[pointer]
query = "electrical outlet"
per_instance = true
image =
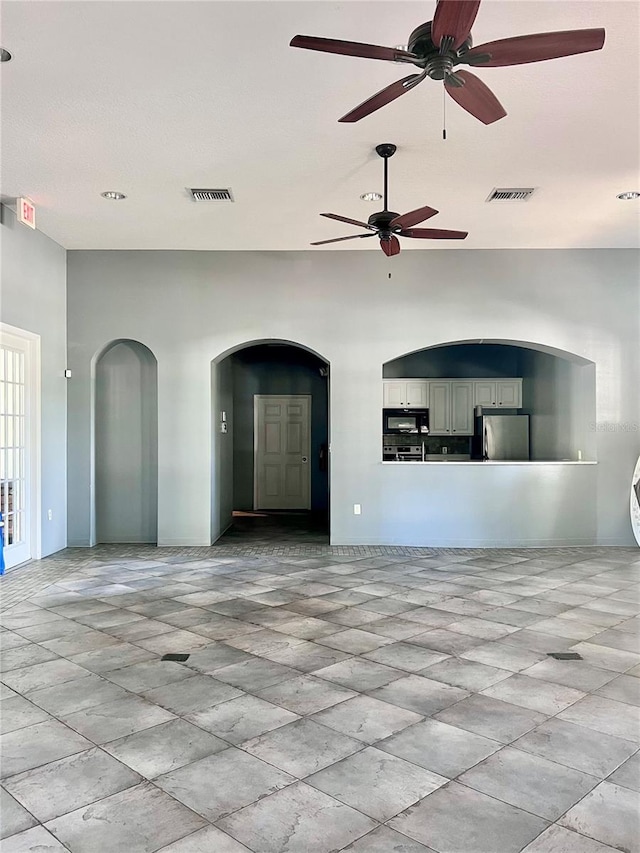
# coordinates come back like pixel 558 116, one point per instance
pixel 50 514
pixel 357 509
pixel 445 450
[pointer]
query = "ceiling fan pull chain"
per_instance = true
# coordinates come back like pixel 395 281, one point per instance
pixel 444 112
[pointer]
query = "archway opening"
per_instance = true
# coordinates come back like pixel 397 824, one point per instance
pixel 270 425
pixel 126 444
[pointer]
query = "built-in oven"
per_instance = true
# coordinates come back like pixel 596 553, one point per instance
pixel 405 421
pixel 403 453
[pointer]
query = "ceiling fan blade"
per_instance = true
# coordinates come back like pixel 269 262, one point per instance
pixel 384 96
pixel 474 97
pixel 413 217
pixel 453 18
pixel 433 234
pixel 390 245
pixel 535 48
pixel 339 239
pixel 349 221
pixel 352 48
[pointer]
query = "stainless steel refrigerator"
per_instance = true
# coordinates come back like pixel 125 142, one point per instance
pixel 503 437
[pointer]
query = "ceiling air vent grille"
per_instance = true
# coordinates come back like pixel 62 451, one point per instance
pixel 511 194
pixel 211 195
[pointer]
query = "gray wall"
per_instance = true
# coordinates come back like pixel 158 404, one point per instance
pixel 276 370
pixel 126 442
pixel 222 468
pixel 33 298
pixel 190 308
pixel 462 361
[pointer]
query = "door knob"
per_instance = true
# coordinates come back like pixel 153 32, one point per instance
pixel 304 458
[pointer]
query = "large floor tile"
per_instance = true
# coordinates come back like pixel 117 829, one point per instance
pixel 164 748
pixel 385 840
pixel 302 747
pixel 504 655
pixel 306 694
pixel 103 723
pixel 26 655
pixel 366 718
pixel 297 819
pixel 223 783
pixel 491 718
pixel 608 814
pixel 557 839
pixel 36 840
pixel 15 818
pixel 148 674
pixel 241 719
pixel 254 674
pixel 191 694
pixel 628 774
pixel 543 696
pixel 113 657
pixel 625 688
pixel 76 695
pixel 376 783
pixel 17 713
pixel 69 783
pixel 529 782
pixel 406 656
pixel 208 840
pixel 33 746
pixel 137 820
pixel 574 746
pixel 42 675
pixel 446 750
pixel 419 694
pixel 605 715
pixel 465 674
pixel 577 674
pixel 359 674
pixel 456 819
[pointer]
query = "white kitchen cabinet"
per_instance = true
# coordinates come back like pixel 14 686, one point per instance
pixel 498 393
pixel 451 407
pixel 405 393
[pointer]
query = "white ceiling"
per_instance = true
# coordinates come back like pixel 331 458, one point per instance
pixel 152 97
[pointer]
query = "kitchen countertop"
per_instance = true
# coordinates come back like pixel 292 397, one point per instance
pixel 493 462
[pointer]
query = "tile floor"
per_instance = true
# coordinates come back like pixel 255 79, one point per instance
pixel 372 700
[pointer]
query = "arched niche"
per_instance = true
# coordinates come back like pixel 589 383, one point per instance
pixel 558 387
pixel 263 367
pixel 126 444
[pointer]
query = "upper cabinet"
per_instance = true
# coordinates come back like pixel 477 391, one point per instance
pixel 405 394
pixel 498 393
pixel 451 407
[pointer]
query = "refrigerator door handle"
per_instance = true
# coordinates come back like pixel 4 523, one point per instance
pixel 485 448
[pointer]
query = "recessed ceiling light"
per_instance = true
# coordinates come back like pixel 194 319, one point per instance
pixel 114 196
pixel 370 196
pixel 628 195
pixel 5 56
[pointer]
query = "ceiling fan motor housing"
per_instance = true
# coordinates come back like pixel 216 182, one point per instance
pixel 382 221
pixel 437 64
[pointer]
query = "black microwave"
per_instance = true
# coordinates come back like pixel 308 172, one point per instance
pixel 402 421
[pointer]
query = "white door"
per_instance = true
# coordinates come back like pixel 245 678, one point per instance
pixel 282 446
pixel 18 357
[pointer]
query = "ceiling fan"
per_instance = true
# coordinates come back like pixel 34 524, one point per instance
pixel 437 46
pixel 386 224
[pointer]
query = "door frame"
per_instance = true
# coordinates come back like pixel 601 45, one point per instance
pixel 31 343
pixel 256 401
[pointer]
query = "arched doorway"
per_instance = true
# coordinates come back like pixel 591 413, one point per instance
pixel 271 438
pixel 126 444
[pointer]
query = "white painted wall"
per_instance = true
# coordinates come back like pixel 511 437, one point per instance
pixel 33 297
pixel 190 307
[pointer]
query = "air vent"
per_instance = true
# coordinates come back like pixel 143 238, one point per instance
pixel 511 194
pixel 211 195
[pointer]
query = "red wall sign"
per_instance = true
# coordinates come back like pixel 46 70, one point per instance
pixel 26 212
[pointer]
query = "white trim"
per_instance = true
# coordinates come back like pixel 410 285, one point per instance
pixel 33 376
